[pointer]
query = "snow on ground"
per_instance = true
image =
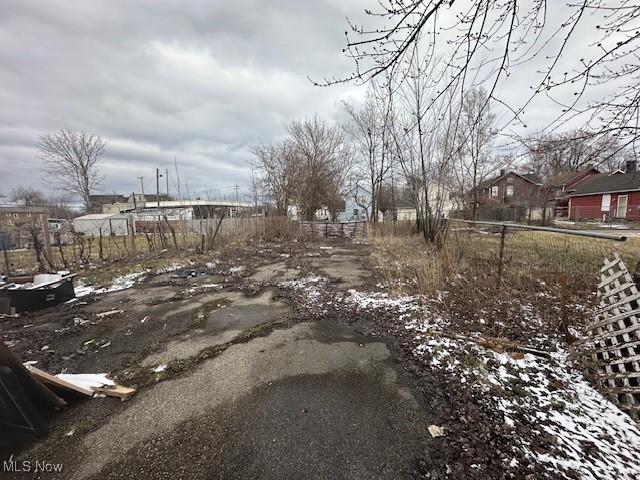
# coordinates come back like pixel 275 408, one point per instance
pixel 591 435
pixel 119 283
pixel 404 305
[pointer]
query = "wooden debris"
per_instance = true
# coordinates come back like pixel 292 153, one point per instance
pixel 109 313
pixel 49 379
pixel 609 351
pixel 117 391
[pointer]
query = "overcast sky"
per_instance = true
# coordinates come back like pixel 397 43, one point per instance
pixel 201 81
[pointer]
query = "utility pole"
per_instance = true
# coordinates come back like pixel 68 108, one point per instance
pixel 158 188
pixel 236 187
pixel 141 184
pixel 166 172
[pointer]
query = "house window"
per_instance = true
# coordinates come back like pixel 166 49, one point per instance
pixel 606 202
pixel 15 215
pixel 509 190
pixel 356 213
pixel 494 191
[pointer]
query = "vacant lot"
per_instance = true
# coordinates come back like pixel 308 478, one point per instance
pixel 300 360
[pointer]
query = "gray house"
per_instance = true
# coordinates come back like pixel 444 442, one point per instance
pixel 357 204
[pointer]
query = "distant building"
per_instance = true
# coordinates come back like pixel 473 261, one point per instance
pixel 105 224
pixel 607 196
pixel 11 215
pixel 357 204
pixel 511 189
pixel 560 186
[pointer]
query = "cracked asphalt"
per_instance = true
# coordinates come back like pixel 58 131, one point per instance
pixel 310 399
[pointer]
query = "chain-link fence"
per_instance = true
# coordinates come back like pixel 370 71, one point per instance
pixel 533 262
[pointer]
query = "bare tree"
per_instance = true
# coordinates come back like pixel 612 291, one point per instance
pixel 585 54
pixel 59 206
pixel 278 170
pixel 572 150
pixel 28 196
pixel 476 134
pixel 72 160
pixel 370 130
pixel 324 162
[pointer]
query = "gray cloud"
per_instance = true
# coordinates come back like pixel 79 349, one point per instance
pixel 201 82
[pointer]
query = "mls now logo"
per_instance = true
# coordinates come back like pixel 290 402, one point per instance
pixel 31 466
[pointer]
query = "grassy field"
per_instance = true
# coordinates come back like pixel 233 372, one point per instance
pixel 528 256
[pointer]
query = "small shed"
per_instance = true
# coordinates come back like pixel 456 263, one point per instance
pixel 105 224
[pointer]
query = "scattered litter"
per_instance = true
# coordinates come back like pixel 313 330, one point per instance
pixel 79 322
pixel 87 384
pixel 323 247
pixel 70 433
pixel 144 319
pixel 30 362
pixel 436 431
pixel 109 313
pixel 160 368
pixel 46 347
pixel 105 345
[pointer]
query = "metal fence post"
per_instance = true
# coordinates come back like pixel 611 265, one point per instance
pixel 503 234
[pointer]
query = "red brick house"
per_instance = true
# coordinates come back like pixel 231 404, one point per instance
pixel 607 196
pixel 560 186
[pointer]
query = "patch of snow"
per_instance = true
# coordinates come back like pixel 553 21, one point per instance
pixel 119 283
pixel 592 436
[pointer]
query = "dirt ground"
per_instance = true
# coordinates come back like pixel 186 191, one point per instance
pixel 251 384
pixel 294 361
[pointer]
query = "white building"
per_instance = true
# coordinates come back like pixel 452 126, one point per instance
pixel 105 224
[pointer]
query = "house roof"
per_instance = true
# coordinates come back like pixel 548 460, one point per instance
pixel 608 183
pixel 21 208
pixel 100 216
pixel 568 177
pixel 529 177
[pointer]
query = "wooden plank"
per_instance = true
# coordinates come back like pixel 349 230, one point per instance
pixel 628 285
pixel 118 391
pixel 610 264
pixel 630 298
pixel 49 379
pixel 613 278
pixel 615 318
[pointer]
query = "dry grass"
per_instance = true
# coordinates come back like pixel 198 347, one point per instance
pixel 127 249
pixel 407 262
